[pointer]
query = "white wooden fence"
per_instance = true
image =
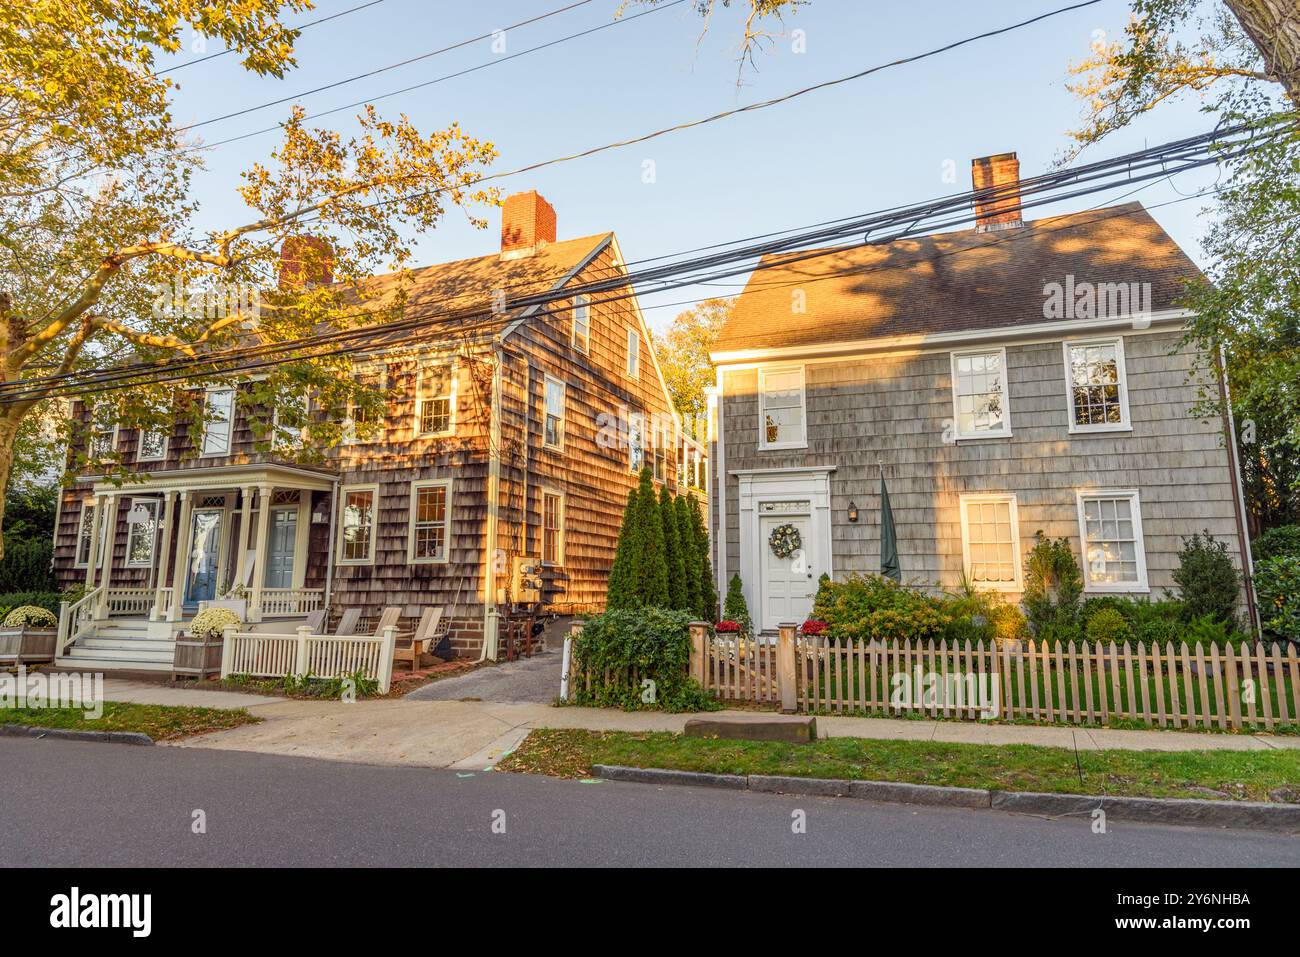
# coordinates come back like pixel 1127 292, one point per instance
pixel 303 653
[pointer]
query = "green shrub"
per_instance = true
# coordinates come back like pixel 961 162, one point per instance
pixel 1209 630
pixel 1277 594
pixel 1159 631
pixel 1053 585
pixel 1208 583
pixel 1283 540
pixel 1062 631
pixel 653 642
pixel 1009 623
pixel 49 600
pixel 981 616
pixel 708 593
pixel 1108 624
pixel 30 616
pixel 27 566
pixel 735 608
pixel 874 608
pixel 674 557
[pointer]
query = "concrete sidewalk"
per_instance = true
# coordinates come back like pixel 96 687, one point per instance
pixel 475 734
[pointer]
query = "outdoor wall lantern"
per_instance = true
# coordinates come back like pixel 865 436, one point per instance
pixel 853 511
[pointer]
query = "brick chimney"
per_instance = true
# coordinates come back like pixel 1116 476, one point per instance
pixel 527 224
pixel 306 261
pixel 1002 211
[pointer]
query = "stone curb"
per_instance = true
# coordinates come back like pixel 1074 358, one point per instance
pixel 108 737
pixel 1179 811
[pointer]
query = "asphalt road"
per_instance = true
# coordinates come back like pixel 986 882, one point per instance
pixel 79 803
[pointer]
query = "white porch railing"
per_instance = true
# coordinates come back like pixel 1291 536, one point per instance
pixel 291 602
pixel 320 656
pixel 76 619
pixel 131 601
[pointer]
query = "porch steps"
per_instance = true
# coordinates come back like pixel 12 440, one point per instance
pixel 121 645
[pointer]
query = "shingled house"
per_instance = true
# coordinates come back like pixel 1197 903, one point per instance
pixel 1006 379
pixel 504 461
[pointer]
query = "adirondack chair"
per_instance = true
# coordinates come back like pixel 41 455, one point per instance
pixel 420 638
pixel 348 623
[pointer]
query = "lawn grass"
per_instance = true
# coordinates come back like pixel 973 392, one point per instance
pixel 160 722
pixel 1239 775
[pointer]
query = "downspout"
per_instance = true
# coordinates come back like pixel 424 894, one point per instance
pixel 493 513
pixel 1234 469
pixel 719 460
pixel 329 555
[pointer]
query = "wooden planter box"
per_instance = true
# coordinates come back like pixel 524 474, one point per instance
pixel 196 657
pixel 26 645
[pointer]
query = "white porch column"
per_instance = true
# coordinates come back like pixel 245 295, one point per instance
pixel 245 514
pixel 182 556
pixel 110 534
pixel 259 551
pixel 92 560
pixel 160 593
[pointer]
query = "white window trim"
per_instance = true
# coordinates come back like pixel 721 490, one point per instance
pixel 560 531
pixel 1125 424
pixel 1005 431
pixel 452 369
pixel 349 437
pixel 373 488
pixel 633 369
pixel 564 410
pixel 207 425
pixel 637 419
pixel 156 507
pixel 77 561
pixel 1018 584
pixel 139 444
pixel 446 523
pixel 803 407
pixel 583 303
pixel 1141 585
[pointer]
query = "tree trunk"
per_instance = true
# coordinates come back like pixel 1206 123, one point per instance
pixel 10 419
pixel 1274 27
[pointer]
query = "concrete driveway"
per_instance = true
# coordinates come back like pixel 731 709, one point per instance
pixel 534 680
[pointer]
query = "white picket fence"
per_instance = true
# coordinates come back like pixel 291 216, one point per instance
pixel 303 653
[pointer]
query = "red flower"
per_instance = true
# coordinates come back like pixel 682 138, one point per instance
pixel 727 626
pixel 813 627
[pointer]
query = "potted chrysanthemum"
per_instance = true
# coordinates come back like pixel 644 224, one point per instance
pixel 28 634
pixel 198 649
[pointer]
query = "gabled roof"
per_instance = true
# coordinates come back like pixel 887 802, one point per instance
pixel 961 281
pixel 470 284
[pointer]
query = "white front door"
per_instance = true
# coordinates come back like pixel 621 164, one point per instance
pixel 789 584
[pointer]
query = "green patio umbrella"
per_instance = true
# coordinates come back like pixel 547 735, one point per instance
pixel 888 537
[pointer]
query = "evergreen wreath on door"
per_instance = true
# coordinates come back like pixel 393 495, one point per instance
pixel 785 540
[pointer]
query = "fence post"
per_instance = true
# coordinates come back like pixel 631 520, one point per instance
pixel 699 635
pixel 300 659
pixel 785 670
pixel 227 649
pixel 385 675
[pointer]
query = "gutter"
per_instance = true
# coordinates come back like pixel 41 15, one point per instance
pixel 490 613
pixel 1234 470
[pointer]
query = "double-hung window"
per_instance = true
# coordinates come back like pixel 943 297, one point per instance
pixel 219 421
pixel 581 339
pixel 781 409
pixel 553 431
pixel 660 435
pixel 435 395
pixel 990 536
pixel 151 445
pixel 142 533
pixel 361 424
pixel 430 533
pixel 102 440
pixel 357 520
pixel 979 394
pixel 633 352
pixel 1110 528
pixel 552 528
pixel 84 536
pixel 1097 387
pixel 635 442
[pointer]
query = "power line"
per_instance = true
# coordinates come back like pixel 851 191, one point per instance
pixel 440 79
pixel 310 23
pixel 385 69
pixel 674 275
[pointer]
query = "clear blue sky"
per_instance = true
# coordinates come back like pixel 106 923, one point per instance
pixel 873 143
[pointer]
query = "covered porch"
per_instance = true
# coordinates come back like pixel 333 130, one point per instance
pixel 258 533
